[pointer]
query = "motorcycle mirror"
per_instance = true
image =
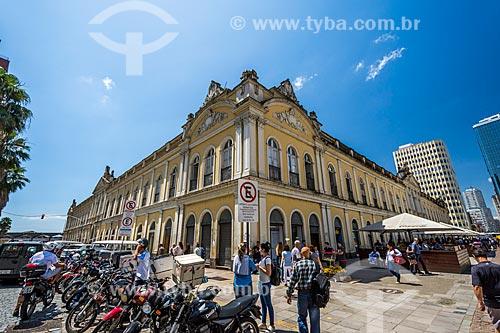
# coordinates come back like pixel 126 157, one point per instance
pixel 204 279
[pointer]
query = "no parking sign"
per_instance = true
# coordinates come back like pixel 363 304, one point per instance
pixel 127 218
pixel 248 204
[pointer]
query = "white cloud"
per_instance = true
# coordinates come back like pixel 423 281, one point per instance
pixel 375 69
pixel 359 66
pixel 108 83
pixel 385 37
pixel 299 81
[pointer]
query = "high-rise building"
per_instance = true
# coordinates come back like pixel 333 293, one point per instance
pixel 496 203
pixel 488 136
pixel 430 164
pixel 478 211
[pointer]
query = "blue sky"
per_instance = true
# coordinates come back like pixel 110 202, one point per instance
pixel 435 83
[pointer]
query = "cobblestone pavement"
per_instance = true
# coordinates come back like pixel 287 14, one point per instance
pixel 43 320
pixel 371 302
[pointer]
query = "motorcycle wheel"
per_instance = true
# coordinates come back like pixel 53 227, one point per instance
pixel 133 327
pixel 78 322
pixel 105 326
pixel 65 283
pixel 248 325
pixel 28 306
pixel 75 299
pixel 49 297
pixel 72 288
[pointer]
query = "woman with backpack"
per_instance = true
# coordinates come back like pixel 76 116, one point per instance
pixel 265 270
pixel 392 259
pixel 243 267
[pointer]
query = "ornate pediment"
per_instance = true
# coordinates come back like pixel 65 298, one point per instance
pixel 286 89
pixel 214 90
pixel 211 119
pixel 289 118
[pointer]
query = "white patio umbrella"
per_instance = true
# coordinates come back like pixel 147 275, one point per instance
pixel 407 222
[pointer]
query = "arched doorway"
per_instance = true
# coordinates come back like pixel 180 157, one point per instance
pixel 297 227
pixel 151 236
pixel 206 234
pixel 314 231
pixel 168 234
pixel 276 224
pixel 355 235
pixel 188 246
pixel 225 236
pixel 139 232
pixel 338 231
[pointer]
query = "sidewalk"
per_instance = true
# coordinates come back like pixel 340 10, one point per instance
pixel 373 302
pixel 481 321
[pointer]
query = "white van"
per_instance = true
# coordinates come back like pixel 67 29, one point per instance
pixel 120 252
pixel 116 245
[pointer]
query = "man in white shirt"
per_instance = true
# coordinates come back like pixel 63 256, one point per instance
pixel 296 256
pixel 142 256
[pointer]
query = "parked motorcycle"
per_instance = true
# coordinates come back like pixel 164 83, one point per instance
pixel 35 289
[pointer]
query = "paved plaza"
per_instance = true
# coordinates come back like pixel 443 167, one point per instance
pixel 371 302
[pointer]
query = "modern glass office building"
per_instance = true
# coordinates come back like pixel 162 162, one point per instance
pixel 488 136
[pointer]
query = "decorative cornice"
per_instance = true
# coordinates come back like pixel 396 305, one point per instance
pixel 211 119
pixel 290 119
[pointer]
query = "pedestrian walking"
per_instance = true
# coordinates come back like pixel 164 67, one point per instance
pixel 415 247
pixel 412 258
pixel 243 267
pixel 286 263
pixel 256 252
pixel 340 255
pixel 315 257
pixel 161 249
pixel 296 256
pixel 390 262
pixel 180 249
pixel 199 251
pixel 486 285
pixel 302 280
pixel 265 270
pixel 279 250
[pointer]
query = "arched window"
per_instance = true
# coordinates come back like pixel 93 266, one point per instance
pixel 333 181
pixel 225 239
pixel 348 182
pixel 308 163
pixel 374 195
pixel 363 191
pixel 208 178
pixel 293 166
pixel 145 194
pixel 136 192
pixel 297 227
pixel 355 234
pixel 339 235
pixel 370 235
pixel 118 205
pixel 273 159
pixel 384 200
pixel 195 170
pixel 157 189
pixel 226 170
pixel 391 200
pixel 173 181
pixel 188 246
pixel 151 235
pixel 314 230
pixel 139 232
pixel 168 234
pixel 398 201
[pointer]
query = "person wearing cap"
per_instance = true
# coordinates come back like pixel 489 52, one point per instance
pixel 302 280
pixel 418 257
pixel 486 285
pixel 142 256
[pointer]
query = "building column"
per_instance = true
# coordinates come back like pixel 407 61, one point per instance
pixel 263 222
pixel 149 200
pixel 238 149
pixel 158 230
pixel 238 227
pixel 249 146
pixel 350 246
pixel 325 222
pixel 356 184
pixel 261 143
pixel 185 167
pixel 177 224
pixel 318 152
pixel 341 181
pixel 164 185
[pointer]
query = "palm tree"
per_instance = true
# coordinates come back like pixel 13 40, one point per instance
pixel 14 117
pixel 5 224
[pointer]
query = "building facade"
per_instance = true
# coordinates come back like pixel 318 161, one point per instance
pixel 478 211
pixel 311 185
pixel 430 163
pixel 496 203
pixel 488 137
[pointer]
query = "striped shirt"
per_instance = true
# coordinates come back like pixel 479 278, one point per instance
pixel 302 276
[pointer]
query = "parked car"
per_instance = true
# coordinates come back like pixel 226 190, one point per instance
pixel 14 255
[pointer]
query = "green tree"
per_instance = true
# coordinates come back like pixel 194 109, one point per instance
pixel 14 118
pixel 5 224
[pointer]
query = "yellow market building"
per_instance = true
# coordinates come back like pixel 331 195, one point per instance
pixel 311 185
